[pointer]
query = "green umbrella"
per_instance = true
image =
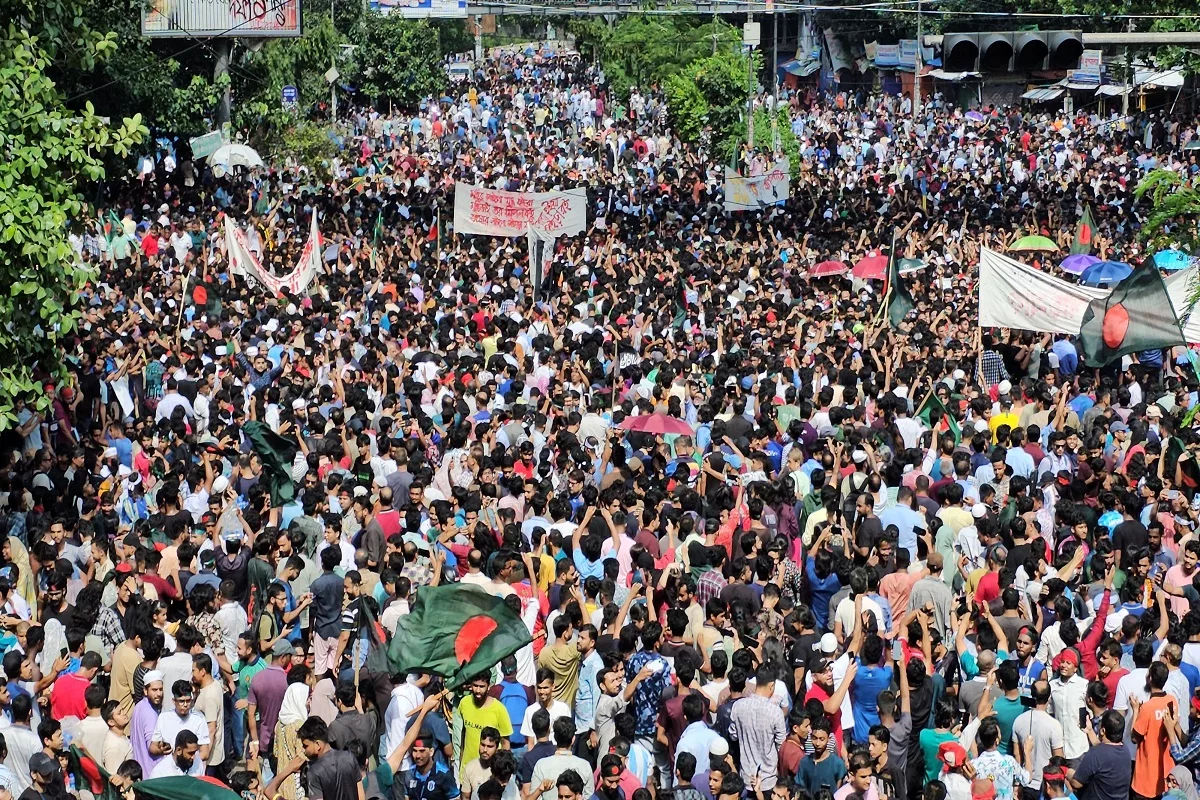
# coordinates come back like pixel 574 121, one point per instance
pixel 1031 243
pixel 185 788
pixel 911 265
pixel 1193 144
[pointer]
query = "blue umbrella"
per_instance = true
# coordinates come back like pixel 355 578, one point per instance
pixel 1106 272
pixel 1172 260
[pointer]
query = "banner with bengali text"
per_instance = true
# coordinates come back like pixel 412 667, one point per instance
pixel 492 212
pixel 757 192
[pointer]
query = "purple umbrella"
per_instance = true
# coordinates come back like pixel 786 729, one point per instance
pixel 1077 263
pixel 975 116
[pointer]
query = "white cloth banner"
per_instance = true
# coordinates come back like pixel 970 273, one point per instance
pixel 757 192
pixel 491 212
pixel 1180 286
pixel 242 261
pixel 1013 295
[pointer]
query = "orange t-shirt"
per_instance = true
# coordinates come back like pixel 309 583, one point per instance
pixel 1153 760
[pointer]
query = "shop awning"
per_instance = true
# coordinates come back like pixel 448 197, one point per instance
pixel 800 68
pixel 1167 79
pixel 1111 90
pixel 1082 85
pixel 943 75
pixel 1043 95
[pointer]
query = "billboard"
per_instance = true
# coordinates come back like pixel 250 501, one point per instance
pixel 240 18
pixel 421 9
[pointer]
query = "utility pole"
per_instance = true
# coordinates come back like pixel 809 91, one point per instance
pixel 224 49
pixel 1128 76
pixel 917 67
pixel 478 37
pixel 749 80
pixel 775 82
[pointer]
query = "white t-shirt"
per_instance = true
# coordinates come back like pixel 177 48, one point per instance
pixel 168 727
pixel 845 614
pixel 557 709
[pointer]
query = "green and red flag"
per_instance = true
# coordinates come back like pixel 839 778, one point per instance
pixel 944 422
pixel 899 299
pixel 90 776
pixel 1136 316
pixel 1085 233
pixel 277 454
pixel 456 631
pixel 185 788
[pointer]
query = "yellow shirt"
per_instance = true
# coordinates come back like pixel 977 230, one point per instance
pixel 1010 419
pixel 493 714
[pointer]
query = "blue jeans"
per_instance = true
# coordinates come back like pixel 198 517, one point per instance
pixel 237 744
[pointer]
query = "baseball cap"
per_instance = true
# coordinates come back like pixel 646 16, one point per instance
pixel 43 765
pixel 829 643
pixel 282 647
pixel 1119 427
pixel 952 754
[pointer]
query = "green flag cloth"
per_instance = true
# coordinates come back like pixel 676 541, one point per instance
pixel 1135 317
pixel 900 302
pixel 90 775
pixel 456 631
pixel 934 403
pixel 277 455
pixel 1084 233
pixel 185 788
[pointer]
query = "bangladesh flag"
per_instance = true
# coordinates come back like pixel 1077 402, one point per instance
pixel 456 631
pixel 1085 233
pixel 899 300
pixel 90 775
pixel 944 422
pixel 277 454
pixel 1136 316
pixel 185 788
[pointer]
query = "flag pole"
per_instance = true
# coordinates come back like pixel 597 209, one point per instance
pixel 890 288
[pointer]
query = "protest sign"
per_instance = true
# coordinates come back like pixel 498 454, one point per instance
pixel 759 191
pixel 492 212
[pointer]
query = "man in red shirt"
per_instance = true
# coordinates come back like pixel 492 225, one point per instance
pixel 66 698
pixel 1110 668
pixel 989 585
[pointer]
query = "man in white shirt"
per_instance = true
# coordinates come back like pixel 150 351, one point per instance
pixel 185 758
pixel 406 697
pixel 172 722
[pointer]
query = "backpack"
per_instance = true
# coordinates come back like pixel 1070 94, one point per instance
pixel 516 701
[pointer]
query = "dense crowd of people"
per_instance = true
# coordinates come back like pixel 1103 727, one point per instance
pixel 886 562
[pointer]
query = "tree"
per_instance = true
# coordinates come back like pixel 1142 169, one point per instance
pixel 646 50
pixel 49 151
pixel 398 60
pixel 711 94
pixel 1174 211
pixel 169 82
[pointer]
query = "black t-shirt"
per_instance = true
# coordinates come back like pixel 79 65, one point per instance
pixel 1127 534
pixel 803 649
pixel 31 794
pixel 233 568
pixel 333 776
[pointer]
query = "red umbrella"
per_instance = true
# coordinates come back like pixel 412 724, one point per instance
pixel 827 268
pixel 871 268
pixel 657 424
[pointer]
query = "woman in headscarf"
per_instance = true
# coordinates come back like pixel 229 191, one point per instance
pixel 292 715
pixel 1180 785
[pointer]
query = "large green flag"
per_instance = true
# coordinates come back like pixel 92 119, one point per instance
pixel 899 300
pixel 925 414
pixel 1085 233
pixel 1136 316
pixel 277 454
pixel 456 631
pixel 183 787
pixel 90 776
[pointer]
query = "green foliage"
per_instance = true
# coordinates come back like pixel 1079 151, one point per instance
pixel 1175 210
pixel 711 94
pixel 49 151
pixel 299 62
pixel 648 50
pixel 398 60
pixel 173 92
